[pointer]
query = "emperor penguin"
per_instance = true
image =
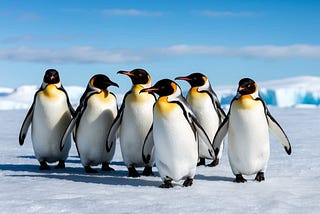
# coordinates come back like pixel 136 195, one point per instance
pixel 91 124
pixel 49 116
pixel 247 125
pixel 206 106
pixel 174 135
pixel 133 122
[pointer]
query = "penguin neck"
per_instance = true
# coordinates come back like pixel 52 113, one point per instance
pixel 163 106
pixel 51 91
pixel 136 96
pixel 246 102
pixel 104 93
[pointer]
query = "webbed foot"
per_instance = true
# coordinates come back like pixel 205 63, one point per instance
pixel 239 179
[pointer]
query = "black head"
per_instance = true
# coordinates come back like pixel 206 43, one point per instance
pixel 101 81
pixel 194 79
pixel 51 76
pixel 137 76
pixel 246 86
pixel 164 87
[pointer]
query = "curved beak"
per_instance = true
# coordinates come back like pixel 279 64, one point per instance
pixel 128 73
pixel 149 90
pixel 113 84
pixel 183 78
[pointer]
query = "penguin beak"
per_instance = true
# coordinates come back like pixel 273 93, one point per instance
pixel 183 78
pixel 126 73
pixel 240 89
pixel 113 84
pixel 149 90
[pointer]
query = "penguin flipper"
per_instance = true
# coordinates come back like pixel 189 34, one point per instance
pixel 148 147
pixel 221 133
pixel 112 135
pixel 278 131
pixel 201 133
pixel 25 125
pixel 68 131
pixel 71 109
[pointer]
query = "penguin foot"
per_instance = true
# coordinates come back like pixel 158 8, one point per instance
pixel 201 162
pixel 260 176
pixel 61 165
pixel 88 169
pixel 133 172
pixel 167 184
pixel 147 171
pixel 105 167
pixel 44 166
pixel 188 182
pixel 214 163
pixel 239 179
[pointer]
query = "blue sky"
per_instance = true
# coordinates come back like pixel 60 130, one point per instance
pixel 226 40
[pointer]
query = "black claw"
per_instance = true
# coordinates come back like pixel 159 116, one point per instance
pixel 167 184
pixel 61 165
pixel 133 172
pixel 105 167
pixel 239 179
pixel 44 166
pixel 260 176
pixel 214 163
pixel 147 171
pixel 201 162
pixel 88 169
pixel 188 182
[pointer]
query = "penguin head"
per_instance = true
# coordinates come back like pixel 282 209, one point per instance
pixel 247 86
pixel 194 79
pixel 51 77
pixel 101 81
pixel 137 76
pixel 164 87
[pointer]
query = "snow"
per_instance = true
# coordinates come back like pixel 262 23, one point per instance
pixel 291 185
pixel 297 91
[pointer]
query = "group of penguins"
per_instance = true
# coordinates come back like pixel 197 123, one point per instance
pixel 174 133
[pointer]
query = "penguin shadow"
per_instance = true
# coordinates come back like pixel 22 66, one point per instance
pixel 77 174
pixel 71 159
pixel 212 178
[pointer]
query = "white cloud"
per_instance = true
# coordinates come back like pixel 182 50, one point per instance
pixel 130 12
pixel 264 51
pixel 69 55
pixel 87 54
pixel 211 13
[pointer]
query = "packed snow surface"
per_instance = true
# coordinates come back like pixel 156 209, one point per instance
pixel 292 92
pixel 291 185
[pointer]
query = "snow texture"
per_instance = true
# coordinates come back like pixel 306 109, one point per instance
pixel 292 92
pixel 291 185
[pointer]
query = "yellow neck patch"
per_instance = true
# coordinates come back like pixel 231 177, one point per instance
pixel 102 97
pixel 245 102
pixel 136 96
pixel 163 107
pixel 51 91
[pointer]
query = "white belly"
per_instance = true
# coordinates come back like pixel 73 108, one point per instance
pixel 136 122
pixel 92 132
pixel 248 140
pixel 209 120
pixel 50 119
pixel 176 150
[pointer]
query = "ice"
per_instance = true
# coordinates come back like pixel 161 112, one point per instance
pixel 291 185
pixel 291 92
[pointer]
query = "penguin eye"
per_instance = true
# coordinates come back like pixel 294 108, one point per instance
pixel 249 85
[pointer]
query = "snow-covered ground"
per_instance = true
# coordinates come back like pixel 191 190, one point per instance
pixel 292 182
pixel 301 91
